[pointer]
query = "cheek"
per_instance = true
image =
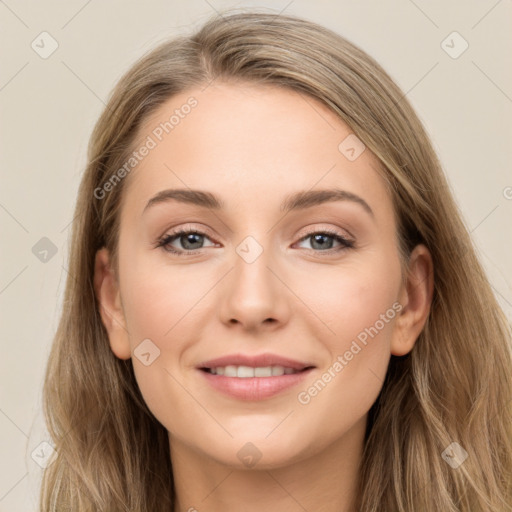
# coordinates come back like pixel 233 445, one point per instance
pixel 155 297
pixel 365 313
pixel 360 306
pixel 165 303
pixel 342 392
pixel 347 299
pixel 155 303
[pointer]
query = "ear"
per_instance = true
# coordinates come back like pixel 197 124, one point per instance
pixel 416 298
pixel 111 311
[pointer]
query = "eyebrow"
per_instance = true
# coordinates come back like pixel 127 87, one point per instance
pixel 296 201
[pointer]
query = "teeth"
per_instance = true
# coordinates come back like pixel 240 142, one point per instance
pixel 277 370
pixel 244 372
pixel 229 371
pixel 263 371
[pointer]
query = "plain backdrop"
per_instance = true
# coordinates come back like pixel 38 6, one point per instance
pixel 49 106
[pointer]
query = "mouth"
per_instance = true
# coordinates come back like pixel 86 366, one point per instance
pixel 245 372
pixel 254 377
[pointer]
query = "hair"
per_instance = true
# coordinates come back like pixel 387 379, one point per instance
pixel 454 386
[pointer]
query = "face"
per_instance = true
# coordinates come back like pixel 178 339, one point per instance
pixel 301 289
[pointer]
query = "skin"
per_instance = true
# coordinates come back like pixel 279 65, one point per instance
pixel 253 146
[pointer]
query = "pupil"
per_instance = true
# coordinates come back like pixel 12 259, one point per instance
pixel 191 238
pixel 319 238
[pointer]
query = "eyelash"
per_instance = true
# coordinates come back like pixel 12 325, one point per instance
pixel 165 241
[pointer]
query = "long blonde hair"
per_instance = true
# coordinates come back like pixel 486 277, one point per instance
pixel 455 385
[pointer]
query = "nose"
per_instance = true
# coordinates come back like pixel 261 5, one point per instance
pixel 254 295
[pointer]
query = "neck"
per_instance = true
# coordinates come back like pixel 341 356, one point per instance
pixel 324 481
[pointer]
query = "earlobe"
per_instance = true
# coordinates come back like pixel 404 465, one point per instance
pixel 416 300
pixel 107 293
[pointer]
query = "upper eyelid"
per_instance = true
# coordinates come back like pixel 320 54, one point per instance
pixel 206 231
pixel 186 229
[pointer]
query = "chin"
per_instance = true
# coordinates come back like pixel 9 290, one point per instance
pixel 259 452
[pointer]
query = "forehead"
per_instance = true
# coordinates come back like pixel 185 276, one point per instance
pixel 250 143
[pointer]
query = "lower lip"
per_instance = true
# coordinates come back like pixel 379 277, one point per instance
pixel 254 388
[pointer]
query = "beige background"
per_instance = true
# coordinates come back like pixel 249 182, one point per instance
pixel 48 107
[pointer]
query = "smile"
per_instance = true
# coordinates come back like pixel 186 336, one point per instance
pixel 245 372
pixel 253 384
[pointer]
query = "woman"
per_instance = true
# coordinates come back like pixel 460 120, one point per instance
pixel 273 303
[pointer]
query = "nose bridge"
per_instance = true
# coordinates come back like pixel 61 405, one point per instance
pixel 252 276
pixel 253 293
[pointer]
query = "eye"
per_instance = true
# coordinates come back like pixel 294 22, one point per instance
pixel 324 240
pixel 190 240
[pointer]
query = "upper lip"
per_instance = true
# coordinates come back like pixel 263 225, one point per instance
pixel 255 361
